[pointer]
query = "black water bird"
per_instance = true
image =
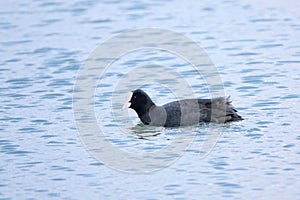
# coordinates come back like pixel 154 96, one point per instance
pixel 183 112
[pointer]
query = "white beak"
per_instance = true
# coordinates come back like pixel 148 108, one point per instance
pixel 127 104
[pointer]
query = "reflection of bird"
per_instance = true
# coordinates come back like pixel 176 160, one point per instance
pixel 183 112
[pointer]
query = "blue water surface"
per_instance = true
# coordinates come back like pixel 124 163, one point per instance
pixel 254 44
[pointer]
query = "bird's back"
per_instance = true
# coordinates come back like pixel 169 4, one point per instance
pixel 192 111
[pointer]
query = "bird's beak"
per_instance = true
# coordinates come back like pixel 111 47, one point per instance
pixel 127 104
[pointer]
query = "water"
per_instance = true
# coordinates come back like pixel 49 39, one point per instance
pixel 255 46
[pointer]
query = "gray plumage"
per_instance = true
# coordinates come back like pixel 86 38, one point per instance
pixel 183 112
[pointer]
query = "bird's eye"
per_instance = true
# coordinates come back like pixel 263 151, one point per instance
pixel 134 97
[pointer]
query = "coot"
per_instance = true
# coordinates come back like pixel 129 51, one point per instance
pixel 183 112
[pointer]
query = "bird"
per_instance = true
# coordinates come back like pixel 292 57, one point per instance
pixel 184 112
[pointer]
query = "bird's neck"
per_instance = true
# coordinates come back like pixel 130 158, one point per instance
pixel 143 113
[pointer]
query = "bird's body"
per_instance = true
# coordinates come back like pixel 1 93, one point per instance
pixel 183 112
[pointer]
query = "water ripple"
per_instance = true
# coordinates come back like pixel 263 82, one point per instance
pixel 257 56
